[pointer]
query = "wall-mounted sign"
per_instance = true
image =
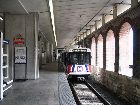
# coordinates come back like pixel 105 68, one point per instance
pixel 18 39
pixel 20 55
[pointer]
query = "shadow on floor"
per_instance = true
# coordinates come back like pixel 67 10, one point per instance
pixel 53 67
pixel 61 67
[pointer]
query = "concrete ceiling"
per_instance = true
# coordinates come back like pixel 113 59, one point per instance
pixel 27 6
pixel 69 15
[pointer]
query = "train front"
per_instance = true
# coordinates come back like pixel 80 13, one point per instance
pixel 79 64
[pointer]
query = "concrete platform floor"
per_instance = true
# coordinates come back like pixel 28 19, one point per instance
pixel 50 89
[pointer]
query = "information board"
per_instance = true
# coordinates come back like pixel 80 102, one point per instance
pixel 20 55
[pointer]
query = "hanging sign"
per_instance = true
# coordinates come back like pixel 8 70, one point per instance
pixel 20 55
pixel 18 39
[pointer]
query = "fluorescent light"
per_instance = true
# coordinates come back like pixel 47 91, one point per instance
pixel 52 17
pixel 1 18
pixel 23 6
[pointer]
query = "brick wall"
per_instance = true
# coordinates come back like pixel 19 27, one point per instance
pixel 131 16
pixel 125 87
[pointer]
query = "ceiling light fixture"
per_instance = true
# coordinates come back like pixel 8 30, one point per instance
pixel 1 18
pixel 52 17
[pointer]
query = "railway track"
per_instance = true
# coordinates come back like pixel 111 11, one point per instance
pixel 85 94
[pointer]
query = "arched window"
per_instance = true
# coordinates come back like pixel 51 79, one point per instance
pixel 110 51
pixel 126 50
pixel 100 51
pixel 93 52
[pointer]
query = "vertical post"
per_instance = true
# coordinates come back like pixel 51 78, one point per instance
pixel 78 41
pixel 103 19
pixel 1 64
pixel 52 52
pixel 114 11
pixel 95 25
pixel 48 52
pixel 9 72
pixel 87 32
pixel 134 3
pixel 36 26
pixel 83 39
pixel 91 28
pixel 75 41
pixel 80 37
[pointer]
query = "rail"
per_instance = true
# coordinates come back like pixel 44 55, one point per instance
pixel 85 94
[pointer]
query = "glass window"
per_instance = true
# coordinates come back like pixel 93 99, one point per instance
pixel 110 51
pixel 100 51
pixel 79 58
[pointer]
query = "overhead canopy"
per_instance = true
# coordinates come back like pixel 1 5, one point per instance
pixel 70 15
pixel 27 6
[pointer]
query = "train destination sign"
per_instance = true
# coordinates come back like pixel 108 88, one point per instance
pixel 79 50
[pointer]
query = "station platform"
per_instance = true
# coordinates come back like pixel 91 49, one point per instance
pixel 51 88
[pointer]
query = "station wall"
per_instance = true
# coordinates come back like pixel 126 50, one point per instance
pixel 126 87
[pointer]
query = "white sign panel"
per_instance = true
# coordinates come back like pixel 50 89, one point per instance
pixel 20 55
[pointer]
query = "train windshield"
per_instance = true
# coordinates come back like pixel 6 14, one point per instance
pixel 80 58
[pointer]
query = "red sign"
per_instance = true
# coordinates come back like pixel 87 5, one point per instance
pixel 19 39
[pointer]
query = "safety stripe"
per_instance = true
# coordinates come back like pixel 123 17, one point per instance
pixel 69 68
pixel 86 65
pixel 73 66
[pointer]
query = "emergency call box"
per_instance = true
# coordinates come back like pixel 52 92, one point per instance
pixel 20 55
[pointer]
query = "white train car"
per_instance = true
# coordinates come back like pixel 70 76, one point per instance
pixel 78 62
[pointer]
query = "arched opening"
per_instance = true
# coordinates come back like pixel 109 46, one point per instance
pixel 110 51
pixel 126 50
pixel 100 51
pixel 93 52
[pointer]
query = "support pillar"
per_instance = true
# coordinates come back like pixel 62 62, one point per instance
pixel 134 3
pixel 48 50
pixel 83 40
pixel 95 25
pixel 52 58
pixel 39 50
pixel 74 40
pixel 86 33
pixel 80 36
pixel 103 19
pixel 114 11
pixel 25 25
pixel 91 28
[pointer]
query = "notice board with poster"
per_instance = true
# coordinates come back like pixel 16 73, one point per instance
pixel 20 55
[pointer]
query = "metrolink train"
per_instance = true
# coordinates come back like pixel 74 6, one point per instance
pixel 77 62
